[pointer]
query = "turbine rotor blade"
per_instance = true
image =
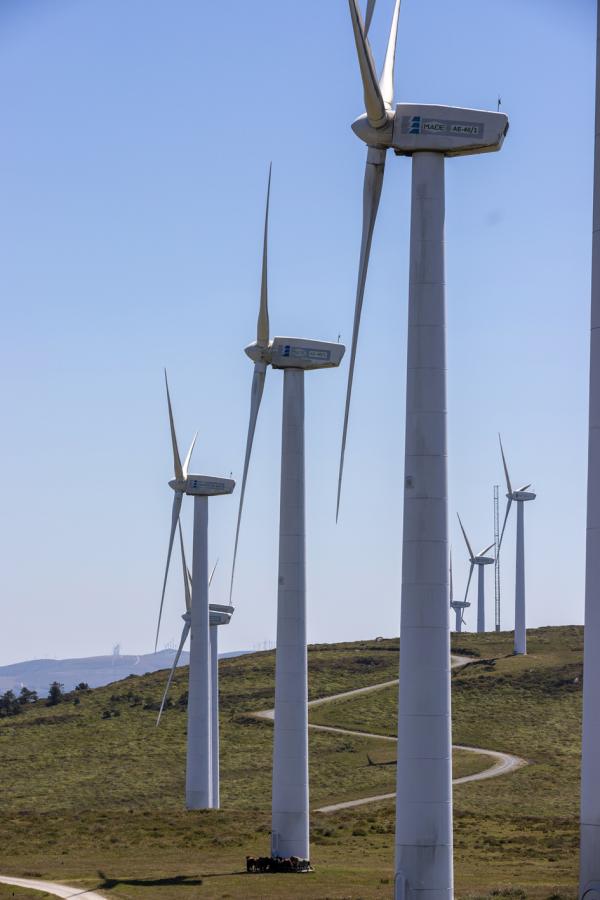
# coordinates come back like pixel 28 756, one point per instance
pixel 176 458
pixel 186 574
pixel 258 384
pixel 178 497
pixel 508 484
pixel 524 488
pixel 369 14
pixel 184 634
pixel 469 548
pixel 469 580
pixel 186 462
pixel 374 104
pixel 373 182
pixel 386 82
pixel 483 552
pixel 262 325
pixel 213 572
pixel 508 505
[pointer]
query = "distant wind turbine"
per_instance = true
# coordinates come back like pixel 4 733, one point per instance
pixel 219 615
pixel 520 497
pixel 480 560
pixel 458 606
pixel 199 769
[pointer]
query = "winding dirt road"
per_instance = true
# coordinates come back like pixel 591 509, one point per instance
pixel 503 763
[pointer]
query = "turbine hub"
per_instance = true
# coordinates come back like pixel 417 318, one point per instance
pixel 374 137
pixel 259 354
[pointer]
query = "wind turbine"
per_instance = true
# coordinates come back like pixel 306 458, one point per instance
pixel 218 615
pixel 295 356
pixel 520 497
pixel 589 868
pixel 458 606
pixel 427 134
pixel 199 769
pixel 480 560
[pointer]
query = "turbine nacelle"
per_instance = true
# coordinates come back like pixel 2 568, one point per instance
pixel 296 353
pixel 482 560
pixel 451 130
pixel 521 495
pixel 202 485
pixel 220 615
pixel 279 353
pixel 459 604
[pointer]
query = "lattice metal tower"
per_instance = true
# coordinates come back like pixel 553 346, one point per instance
pixel 497 562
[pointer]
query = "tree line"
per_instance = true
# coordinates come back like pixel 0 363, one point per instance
pixel 12 704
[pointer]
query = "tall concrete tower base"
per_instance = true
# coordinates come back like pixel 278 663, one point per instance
pixel 423 864
pixel 198 784
pixel 290 741
pixel 589 873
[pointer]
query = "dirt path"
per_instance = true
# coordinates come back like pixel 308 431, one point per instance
pixel 503 763
pixel 51 887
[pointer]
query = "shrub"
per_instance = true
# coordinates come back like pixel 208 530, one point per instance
pixel 27 696
pixel 55 694
pixel 9 705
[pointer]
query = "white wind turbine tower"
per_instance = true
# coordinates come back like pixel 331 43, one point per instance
pixel 520 497
pixel 480 560
pixel 218 615
pixel 199 769
pixel 458 606
pixel 427 134
pixel 290 812
pixel 589 872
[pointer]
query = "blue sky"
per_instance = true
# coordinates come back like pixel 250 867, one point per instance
pixel 133 164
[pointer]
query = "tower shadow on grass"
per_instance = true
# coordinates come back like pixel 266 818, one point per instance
pixel 109 883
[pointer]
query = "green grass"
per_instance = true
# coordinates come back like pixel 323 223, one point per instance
pixel 13 893
pixel 99 801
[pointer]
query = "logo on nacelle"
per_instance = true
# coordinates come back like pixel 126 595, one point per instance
pixel 420 125
pixel 290 352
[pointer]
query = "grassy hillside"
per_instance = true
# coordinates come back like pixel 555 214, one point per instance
pixel 95 794
pixel 523 828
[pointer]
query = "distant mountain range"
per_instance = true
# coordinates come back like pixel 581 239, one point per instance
pixel 96 671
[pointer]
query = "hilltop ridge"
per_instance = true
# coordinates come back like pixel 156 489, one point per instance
pixel 96 671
